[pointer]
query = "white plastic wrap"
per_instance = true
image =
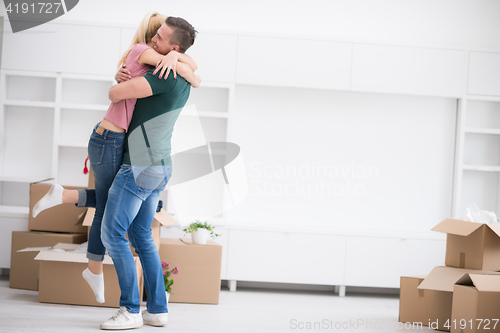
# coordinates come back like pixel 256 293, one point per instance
pixel 473 214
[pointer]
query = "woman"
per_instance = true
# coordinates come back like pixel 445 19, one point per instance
pixel 105 146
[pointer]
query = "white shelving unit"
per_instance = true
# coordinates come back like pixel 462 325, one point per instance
pixel 479 167
pixel 66 107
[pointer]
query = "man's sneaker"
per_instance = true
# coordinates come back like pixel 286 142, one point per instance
pixel 154 319
pixel 122 320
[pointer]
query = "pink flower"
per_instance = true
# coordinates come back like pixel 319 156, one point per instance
pixel 164 264
pixel 164 272
pixel 175 270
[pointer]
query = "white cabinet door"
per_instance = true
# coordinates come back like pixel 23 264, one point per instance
pixel 293 63
pixel 286 257
pixel 408 70
pixel 62 48
pixel 7 225
pixel 484 73
pixel 380 262
pixel 215 55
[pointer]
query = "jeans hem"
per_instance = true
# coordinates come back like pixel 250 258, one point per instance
pixel 95 257
pixel 82 198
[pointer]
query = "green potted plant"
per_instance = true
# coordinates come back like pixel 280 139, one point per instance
pixel 167 271
pixel 200 232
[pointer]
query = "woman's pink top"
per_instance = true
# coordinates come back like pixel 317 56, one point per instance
pixel 120 113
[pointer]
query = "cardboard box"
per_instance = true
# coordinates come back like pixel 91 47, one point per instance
pixel 61 218
pixel 91 178
pixel 476 304
pixel 413 306
pixel 199 267
pixel 471 245
pixel 162 218
pixel 431 303
pixel 61 279
pixel 23 267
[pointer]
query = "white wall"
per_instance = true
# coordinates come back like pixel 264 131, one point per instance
pixel 445 23
pixel 342 160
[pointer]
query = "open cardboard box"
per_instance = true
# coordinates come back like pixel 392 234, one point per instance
pixel 61 218
pixel 61 279
pixel 198 280
pixel 23 267
pixel 471 245
pixel 429 300
pixel 162 218
pixel 476 304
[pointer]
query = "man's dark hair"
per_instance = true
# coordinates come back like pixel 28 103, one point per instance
pixel 183 33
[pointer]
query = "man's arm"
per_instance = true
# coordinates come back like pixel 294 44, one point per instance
pixel 135 88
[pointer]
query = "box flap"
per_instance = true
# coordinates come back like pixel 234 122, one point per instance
pixel 443 278
pixel 66 246
pixel 486 282
pixel 495 227
pixel 68 257
pixel 457 227
pixel 89 217
pixel 35 249
pixel 165 219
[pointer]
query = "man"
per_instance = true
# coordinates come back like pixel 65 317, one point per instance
pixel 146 169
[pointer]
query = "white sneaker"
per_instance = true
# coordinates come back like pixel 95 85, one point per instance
pixel 154 319
pixel 122 320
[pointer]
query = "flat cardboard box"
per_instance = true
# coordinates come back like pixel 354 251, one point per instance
pixel 162 218
pixel 198 280
pixel 61 279
pixel 438 287
pixel 23 267
pixel 476 304
pixel 471 245
pixel 61 218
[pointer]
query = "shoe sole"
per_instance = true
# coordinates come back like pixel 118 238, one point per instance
pixel 155 323
pixel 122 327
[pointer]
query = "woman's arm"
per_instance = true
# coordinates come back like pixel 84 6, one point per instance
pixel 166 62
pixel 186 72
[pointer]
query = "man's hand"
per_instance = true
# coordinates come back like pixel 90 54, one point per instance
pixel 123 74
pixel 135 88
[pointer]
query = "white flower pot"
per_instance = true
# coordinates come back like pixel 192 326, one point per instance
pixel 168 295
pixel 200 236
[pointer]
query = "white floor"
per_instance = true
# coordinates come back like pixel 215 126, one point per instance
pixel 246 310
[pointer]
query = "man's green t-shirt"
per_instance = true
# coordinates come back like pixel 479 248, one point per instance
pixel 150 130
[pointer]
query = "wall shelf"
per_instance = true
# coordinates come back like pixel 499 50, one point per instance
pixel 30 104
pixel 494 131
pixel 487 168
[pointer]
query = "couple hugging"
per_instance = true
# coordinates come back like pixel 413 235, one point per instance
pixel 129 152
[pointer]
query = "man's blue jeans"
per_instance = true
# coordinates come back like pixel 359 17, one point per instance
pixel 130 208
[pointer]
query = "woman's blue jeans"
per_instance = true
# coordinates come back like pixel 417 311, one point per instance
pixel 105 155
pixel 130 209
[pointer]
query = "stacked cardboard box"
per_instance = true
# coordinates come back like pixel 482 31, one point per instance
pixel 198 280
pixel 58 224
pixel 58 276
pixel 464 295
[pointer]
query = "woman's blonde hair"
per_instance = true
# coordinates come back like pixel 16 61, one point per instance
pixel 146 31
